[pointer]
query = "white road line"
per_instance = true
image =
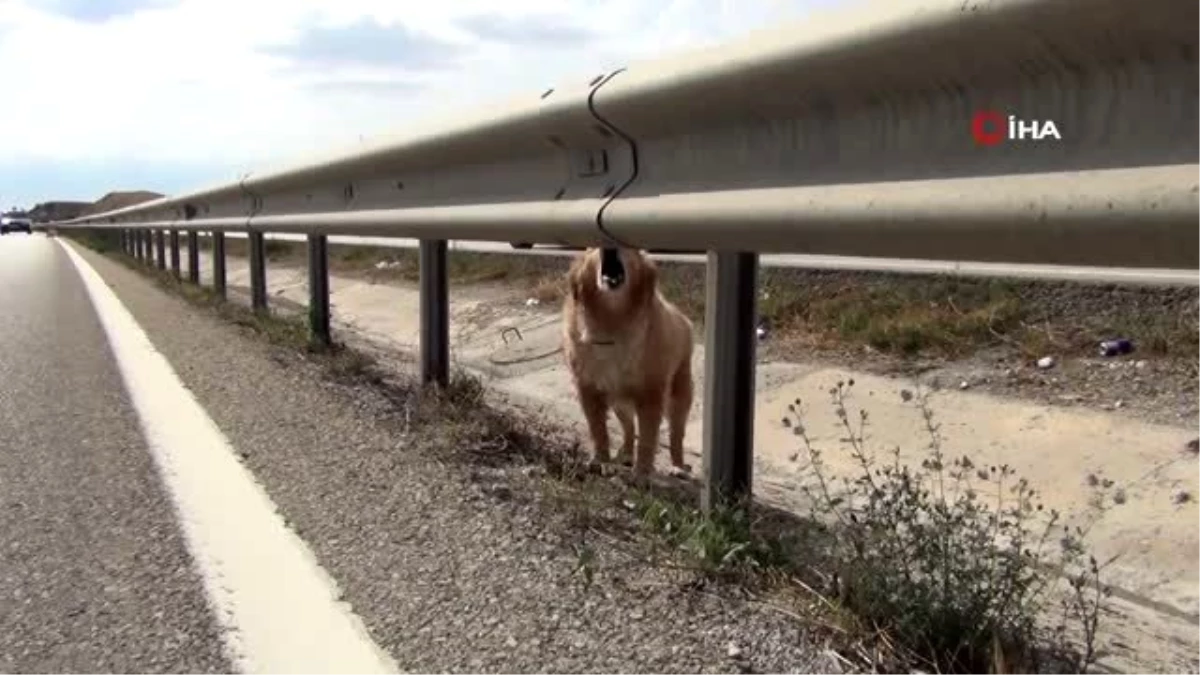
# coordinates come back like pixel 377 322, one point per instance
pixel 281 611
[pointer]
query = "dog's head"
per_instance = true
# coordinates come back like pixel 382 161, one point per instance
pixel 611 285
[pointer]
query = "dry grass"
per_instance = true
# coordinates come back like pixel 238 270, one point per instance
pixel 894 314
pixel 900 315
pixel 381 263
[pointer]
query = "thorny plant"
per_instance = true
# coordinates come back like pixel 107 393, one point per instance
pixel 955 561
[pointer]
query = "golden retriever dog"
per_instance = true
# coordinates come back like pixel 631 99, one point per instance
pixel 630 350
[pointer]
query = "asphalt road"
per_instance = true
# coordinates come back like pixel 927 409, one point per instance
pixel 132 539
pixel 94 573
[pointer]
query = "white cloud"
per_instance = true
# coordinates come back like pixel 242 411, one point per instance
pixel 235 84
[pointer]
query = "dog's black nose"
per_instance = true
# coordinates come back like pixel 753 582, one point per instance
pixel 612 270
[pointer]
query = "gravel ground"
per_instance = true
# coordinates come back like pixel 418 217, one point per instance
pixel 451 573
pixel 1154 389
pixel 1157 383
pixel 94 573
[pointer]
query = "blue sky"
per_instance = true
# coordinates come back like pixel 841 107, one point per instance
pixel 173 95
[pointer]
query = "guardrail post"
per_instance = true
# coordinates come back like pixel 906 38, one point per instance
pixel 218 256
pixel 729 369
pixel 258 272
pixel 435 313
pixel 175 253
pixel 193 246
pixel 318 290
pixel 141 245
pixel 160 253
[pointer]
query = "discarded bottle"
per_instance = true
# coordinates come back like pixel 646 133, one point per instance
pixel 1115 347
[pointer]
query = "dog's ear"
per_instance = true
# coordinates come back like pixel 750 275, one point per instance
pixel 645 282
pixel 575 277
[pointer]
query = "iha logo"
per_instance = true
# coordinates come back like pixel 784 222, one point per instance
pixel 991 128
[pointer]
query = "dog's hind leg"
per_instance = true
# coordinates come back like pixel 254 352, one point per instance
pixel 679 407
pixel 595 410
pixel 625 414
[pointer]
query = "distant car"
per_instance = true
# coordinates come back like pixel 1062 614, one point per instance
pixel 15 224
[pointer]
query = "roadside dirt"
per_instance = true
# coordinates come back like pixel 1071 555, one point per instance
pixel 957 333
pixel 1058 426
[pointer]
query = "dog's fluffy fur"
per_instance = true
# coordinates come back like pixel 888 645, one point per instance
pixel 629 349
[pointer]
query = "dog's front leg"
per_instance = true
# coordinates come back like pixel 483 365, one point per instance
pixel 626 414
pixel 649 417
pixel 595 409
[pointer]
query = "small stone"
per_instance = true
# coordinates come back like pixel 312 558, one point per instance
pixel 734 651
pixel 1183 497
pixel 1119 404
pixel 964 385
pixel 1140 365
pixel 1193 446
pixel 1045 362
pixel 511 642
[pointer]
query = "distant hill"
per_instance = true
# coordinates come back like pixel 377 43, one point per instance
pixel 119 200
pixel 48 212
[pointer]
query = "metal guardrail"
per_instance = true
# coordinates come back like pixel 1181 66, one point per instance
pixel 1123 276
pixel 860 134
